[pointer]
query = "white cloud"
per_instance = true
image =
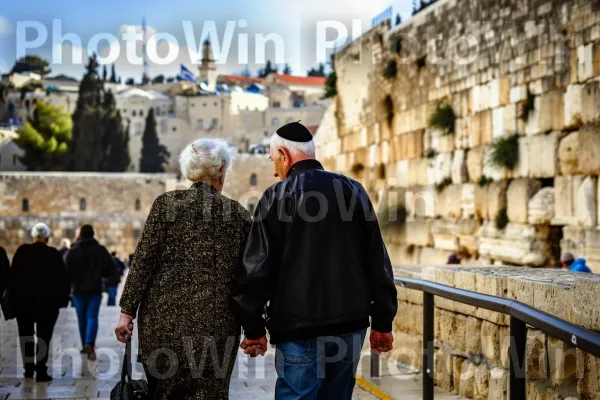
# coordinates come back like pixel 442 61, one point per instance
pixel 5 26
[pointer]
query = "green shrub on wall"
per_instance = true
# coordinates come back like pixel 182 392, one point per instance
pixel 388 104
pixel 505 152
pixel 527 106
pixel 484 181
pixel 391 70
pixel 357 168
pixel 421 62
pixel 443 118
pixel 443 184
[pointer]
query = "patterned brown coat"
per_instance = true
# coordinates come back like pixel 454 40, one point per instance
pixel 181 277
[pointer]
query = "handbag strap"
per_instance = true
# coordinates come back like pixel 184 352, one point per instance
pixel 126 370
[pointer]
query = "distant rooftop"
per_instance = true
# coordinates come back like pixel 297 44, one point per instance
pixel 301 80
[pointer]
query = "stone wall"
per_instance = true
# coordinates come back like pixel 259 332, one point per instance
pixel 472 344
pixel 488 60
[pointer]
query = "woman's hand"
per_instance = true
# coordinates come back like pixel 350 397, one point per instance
pixel 124 329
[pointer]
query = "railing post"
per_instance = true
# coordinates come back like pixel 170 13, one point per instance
pixel 428 346
pixel 518 341
pixel 375 373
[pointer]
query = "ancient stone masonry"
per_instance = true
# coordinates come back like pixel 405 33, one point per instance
pixel 472 344
pixel 437 138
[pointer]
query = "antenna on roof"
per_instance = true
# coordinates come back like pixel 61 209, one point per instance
pixel 144 51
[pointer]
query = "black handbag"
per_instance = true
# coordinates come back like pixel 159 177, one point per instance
pixel 128 389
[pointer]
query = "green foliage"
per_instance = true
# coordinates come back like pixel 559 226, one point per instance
pixel 113 75
pixel 330 86
pixel 130 82
pixel 158 79
pixel 501 219
pixel 505 152
pixel 320 71
pixel 484 181
pixel 391 70
pixel 154 154
pixel 398 19
pixel 527 106
pixel 421 62
pixel 443 184
pixel 388 104
pixel 45 138
pixel 33 64
pixel 269 68
pixel 431 153
pixel 287 70
pixel 357 168
pixel 443 118
pixel 104 73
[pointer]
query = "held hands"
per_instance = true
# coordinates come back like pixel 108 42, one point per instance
pixel 254 348
pixel 381 342
pixel 124 328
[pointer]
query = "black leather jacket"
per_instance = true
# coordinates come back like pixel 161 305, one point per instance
pixel 316 255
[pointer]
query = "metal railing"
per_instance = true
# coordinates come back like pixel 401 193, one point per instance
pixel 521 315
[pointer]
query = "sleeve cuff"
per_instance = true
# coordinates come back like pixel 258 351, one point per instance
pixel 255 334
pixel 381 326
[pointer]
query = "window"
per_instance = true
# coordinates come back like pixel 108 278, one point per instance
pixel 214 122
pixel 138 128
pixel 275 122
pixel 134 113
pixel 141 113
pixel 200 124
pixel 25 205
pixel 203 104
pixel 174 129
pixel 253 180
pixel 82 205
pixel 138 205
pixel 276 104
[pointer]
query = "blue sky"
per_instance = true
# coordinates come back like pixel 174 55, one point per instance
pixel 294 22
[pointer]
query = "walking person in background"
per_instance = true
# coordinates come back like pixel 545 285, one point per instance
pixel 65 245
pixel 180 282
pixel 112 282
pixel 570 264
pixel 38 287
pixel 453 259
pixel 316 256
pixel 87 263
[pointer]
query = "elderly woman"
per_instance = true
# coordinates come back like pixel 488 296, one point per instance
pixel 180 281
pixel 38 286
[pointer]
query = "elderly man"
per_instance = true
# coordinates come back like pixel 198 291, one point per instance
pixel 569 263
pixel 316 255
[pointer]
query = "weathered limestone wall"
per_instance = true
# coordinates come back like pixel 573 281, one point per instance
pixel 485 59
pixel 472 344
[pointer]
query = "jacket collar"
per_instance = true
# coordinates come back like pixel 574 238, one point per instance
pixel 204 187
pixel 86 241
pixel 303 166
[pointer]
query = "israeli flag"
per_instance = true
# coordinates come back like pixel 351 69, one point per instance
pixel 186 75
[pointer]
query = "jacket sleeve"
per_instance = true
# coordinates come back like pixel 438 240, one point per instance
pixel 4 270
pixel 257 264
pixel 62 285
pixel 384 298
pixel 144 260
pixel 109 266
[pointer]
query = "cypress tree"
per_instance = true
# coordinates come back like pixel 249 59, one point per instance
pixel 104 73
pixel 154 154
pixel 113 75
pixel 115 138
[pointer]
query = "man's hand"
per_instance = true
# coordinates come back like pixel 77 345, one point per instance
pixel 381 342
pixel 124 329
pixel 255 348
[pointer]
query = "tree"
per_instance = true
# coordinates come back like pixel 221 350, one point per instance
pixel 145 79
pixel 246 72
pixel 415 8
pixel 115 138
pixel 33 64
pixel 104 73
pixel 154 154
pixel 130 81
pixel 45 138
pixel 113 75
pixel 269 68
pixel 320 71
pixel 158 79
pixel 398 19
pixel 171 79
pixel 331 82
pixel 287 70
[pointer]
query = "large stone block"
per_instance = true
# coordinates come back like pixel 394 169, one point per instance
pixel 475 159
pixel 575 200
pixel 443 168
pixel 457 363
pixel 579 152
pixel 451 329
pixel 444 235
pixel 537 156
pixel 473 332
pixel 535 355
pixel 459 167
pixel 490 341
pixel 533 126
pixel 420 232
pixel 588 375
pixel 552 111
pixel 467 379
pixel 585 62
pixel 449 202
pixel 504 335
pixel 409 318
pixel 516 244
pixel 494 171
pixel 498 389
pixel 591 101
pixel 573 105
pixel 482 382
pixel 407 349
pixel 431 256
pixel 443 370
pixel 495 198
pixel 562 361
pixel 519 192
pixel 541 207
pixel 467 234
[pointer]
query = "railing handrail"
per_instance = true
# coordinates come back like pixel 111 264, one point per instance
pixel 582 338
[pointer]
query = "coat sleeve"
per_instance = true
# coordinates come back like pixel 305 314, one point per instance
pixel 109 267
pixel 144 260
pixel 62 284
pixel 251 292
pixel 384 298
pixel 4 270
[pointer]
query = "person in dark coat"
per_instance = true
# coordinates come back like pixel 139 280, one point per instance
pixel 87 263
pixel 179 285
pixel 65 245
pixel 4 271
pixel 38 287
pixel 316 257
pixel 113 281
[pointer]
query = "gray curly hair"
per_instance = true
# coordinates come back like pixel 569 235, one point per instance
pixel 203 159
pixel 40 231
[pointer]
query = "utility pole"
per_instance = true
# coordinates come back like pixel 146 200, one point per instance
pixel 146 76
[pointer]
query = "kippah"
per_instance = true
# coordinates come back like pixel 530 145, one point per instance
pixel 295 132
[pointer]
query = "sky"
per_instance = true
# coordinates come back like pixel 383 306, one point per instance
pixel 65 32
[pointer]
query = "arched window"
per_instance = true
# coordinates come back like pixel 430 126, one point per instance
pixel 138 205
pixel 253 180
pixel 25 205
pixel 82 205
pixel 134 113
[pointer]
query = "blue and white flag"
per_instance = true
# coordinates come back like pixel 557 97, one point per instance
pixel 186 75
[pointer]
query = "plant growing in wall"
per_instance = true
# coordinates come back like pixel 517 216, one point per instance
pixel 395 44
pixel 443 184
pixel 431 153
pixel 357 168
pixel 421 62
pixel 443 118
pixel 388 104
pixel 484 181
pixel 527 106
pixel 501 219
pixel 391 70
pixel 381 174
pixel 505 152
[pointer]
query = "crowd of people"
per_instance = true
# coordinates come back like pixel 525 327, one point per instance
pixel 42 279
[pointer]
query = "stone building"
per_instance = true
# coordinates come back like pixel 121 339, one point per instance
pixel 509 173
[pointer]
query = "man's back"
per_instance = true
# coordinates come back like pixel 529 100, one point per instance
pixel 87 263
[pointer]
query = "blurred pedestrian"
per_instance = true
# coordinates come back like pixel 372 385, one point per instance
pixel 570 264
pixel 65 245
pixel 180 282
pixel 38 287
pixel 113 281
pixel 453 259
pixel 87 263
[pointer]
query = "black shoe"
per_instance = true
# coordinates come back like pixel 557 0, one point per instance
pixel 43 377
pixel 83 351
pixel 27 375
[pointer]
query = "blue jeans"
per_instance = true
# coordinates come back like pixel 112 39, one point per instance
pixel 87 308
pixel 320 368
pixel 112 295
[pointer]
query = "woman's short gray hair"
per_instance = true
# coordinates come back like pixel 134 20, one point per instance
pixel 40 231
pixel 203 158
